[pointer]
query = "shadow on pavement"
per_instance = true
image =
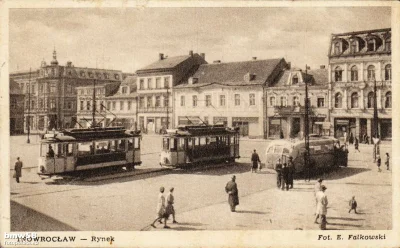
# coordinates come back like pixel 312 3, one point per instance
pixel 26 219
pixel 217 170
pixel 250 212
pixel 340 218
pixel 343 224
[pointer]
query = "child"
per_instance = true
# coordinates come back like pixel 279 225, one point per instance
pixel 353 204
pixel 378 162
pixel 387 161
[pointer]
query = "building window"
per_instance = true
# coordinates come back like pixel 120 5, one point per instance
pixel 149 102
pixel 222 100
pixel 337 48
pixel 41 88
pixel 116 76
pixel 69 104
pixel 371 72
pixel 295 79
pixel 338 74
pixel 108 105
pixel 354 73
pixel 338 100
pixel 194 100
pixel 53 72
pixel 320 102
pixel 388 99
pixel 237 100
pixel 166 101
pixel 114 105
pixel 182 101
pixel 141 102
pixel 252 99
pixel 69 88
pixel 296 101
pixel 33 89
pixel 141 84
pixel 158 83
pixel 81 105
pixel 371 45
pixel 131 89
pixel 91 74
pixel 40 103
pixel 272 101
pixel 52 103
pixel 124 90
pixel 354 46
pixel 129 105
pixel 33 104
pixel 158 101
pixel 52 88
pixel 121 105
pixel 166 82
pixel 13 103
pixel 283 101
pixel 354 100
pixel 388 72
pixel 87 105
pixel 82 73
pixel 208 100
pixel 149 83
pixel 106 76
pixel 388 45
pixel 370 100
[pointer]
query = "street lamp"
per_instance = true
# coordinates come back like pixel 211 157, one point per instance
pixel 376 130
pixel 306 129
pixel 29 106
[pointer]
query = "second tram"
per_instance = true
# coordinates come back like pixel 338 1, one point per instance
pixel 74 150
pixel 199 144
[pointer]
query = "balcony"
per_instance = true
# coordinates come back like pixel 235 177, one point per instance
pixel 155 110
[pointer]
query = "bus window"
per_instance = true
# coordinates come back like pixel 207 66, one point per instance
pixel 278 149
pixel 270 149
pixel 84 149
pixel 166 143
pixel 172 144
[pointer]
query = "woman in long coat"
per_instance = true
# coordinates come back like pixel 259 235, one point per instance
pixel 232 190
pixel 322 207
pixel 18 169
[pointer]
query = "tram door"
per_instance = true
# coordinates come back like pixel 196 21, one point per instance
pixel 181 148
pixel 60 160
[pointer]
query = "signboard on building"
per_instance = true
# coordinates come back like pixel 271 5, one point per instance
pixel 244 119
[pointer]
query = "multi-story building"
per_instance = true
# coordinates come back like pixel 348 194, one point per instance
pixel 16 109
pixel 286 103
pixel 52 92
pixel 229 93
pixel 357 61
pixel 155 87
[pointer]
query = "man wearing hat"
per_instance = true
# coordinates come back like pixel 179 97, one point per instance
pixel 161 214
pixel 255 159
pixel 233 198
pixel 18 169
pixel 291 169
pixel 322 207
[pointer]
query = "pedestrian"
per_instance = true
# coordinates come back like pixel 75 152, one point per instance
pixel 278 169
pixel 322 208
pixel 353 204
pixel 51 152
pixel 232 190
pixel 170 205
pixel 345 138
pixel 161 213
pixel 285 177
pixel 378 162
pixel 387 161
pixel 281 134
pixel 356 145
pixel 18 169
pixel 351 138
pixel 317 188
pixel 292 170
pixel 255 159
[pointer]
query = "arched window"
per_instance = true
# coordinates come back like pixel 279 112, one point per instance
pixel 371 45
pixel 338 100
pixel 388 99
pixel 388 72
pixel 354 73
pixel 296 101
pixel 354 100
pixel 371 72
pixel 338 74
pixel 370 100
pixel 272 101
pixel 354 46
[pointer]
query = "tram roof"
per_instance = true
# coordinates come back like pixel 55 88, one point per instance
pixel 198 130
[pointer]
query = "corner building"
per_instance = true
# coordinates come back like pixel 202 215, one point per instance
pixel 358 60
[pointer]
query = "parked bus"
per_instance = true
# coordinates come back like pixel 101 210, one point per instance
pixel 324 152
pixel 74 150
pixel 199 144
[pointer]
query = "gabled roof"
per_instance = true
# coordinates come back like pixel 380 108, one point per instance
pixel 316 77
pixel 166 63
pixel 234 73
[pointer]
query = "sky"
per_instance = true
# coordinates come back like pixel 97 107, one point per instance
pixel 128 39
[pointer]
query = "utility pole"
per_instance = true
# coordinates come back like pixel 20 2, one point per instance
pixel 167 101
pixel 306 129
pixel 376 129
pixel 94 104
pixel 29 106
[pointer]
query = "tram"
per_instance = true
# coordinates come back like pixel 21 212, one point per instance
pixel 324 152
pixel 74 150
pixel 199 144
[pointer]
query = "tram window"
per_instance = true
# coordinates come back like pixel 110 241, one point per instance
pixel 137 143
pixel 165 143
pixel 59 150
pixel 190 143
pixel 278 149
pixel 101 147
pixel 181 144
pixel 196 141
pixel 121 145
pixel 68 149
pixel 43 150
pixel 212 140
pixel 84 149
pixel 131 144
pixel 203 141
pixel 172 145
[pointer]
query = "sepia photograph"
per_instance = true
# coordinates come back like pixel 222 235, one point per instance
pixel 164 121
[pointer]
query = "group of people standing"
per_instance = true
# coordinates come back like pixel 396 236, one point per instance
pixel 285 174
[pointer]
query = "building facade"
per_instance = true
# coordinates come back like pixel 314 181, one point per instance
pixel 16 109
pixel 155 87
pixel 357 62
pixel 50 93
pixel 228 93
pixel 286 103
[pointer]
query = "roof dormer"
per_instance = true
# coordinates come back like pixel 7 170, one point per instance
pixel 339 45
pixel 373 42
pixel 295 77
pixel 356 44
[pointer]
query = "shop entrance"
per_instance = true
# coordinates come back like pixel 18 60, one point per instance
pixel 295 130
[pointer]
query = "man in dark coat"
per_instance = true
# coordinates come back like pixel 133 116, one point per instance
pixel 278 169
pixel 255 159
pixel 231 189
pixel 18 169
pixel 285 177
pixel 291 169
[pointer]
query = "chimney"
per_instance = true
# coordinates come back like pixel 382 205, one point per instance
pixel 161 56
pixel 289 65
pixel 217 61
pixel 191 53
pixel 322 67
pixel 254 58
pixel 203 55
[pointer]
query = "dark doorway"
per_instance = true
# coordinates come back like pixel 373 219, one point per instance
pixel 295 130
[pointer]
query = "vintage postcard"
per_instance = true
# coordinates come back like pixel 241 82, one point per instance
pixel 199 124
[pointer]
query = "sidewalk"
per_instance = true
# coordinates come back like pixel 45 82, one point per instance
pixel 274 209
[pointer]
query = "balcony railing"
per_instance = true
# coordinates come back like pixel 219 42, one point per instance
pixel 155 110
